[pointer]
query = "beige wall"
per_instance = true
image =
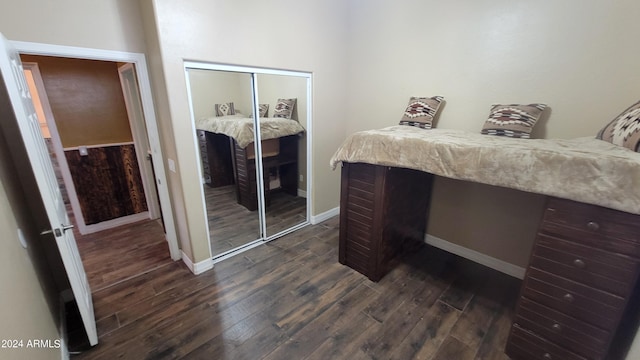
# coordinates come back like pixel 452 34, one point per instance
pixel 285 34
pixel 574 55
pixel 109 24
pixel 29 303
pixel 479 53
pixel 23 307
pixel 210 87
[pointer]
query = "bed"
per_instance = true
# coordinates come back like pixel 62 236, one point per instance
pixel 578 289
pixel 228 155
pixel 583 169
pixel 240 128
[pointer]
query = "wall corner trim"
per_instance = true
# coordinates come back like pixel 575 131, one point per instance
pixel 316 219
pixel 480 258
pixel 199 267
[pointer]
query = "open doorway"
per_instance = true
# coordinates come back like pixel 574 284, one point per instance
pixel 142 74
pixel 97 143
pixel 91 118
pixel 103 183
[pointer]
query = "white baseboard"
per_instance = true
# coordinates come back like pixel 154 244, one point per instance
pixel 325 215
pixel 109 224
pixel 197 268
pixel 480 258
pixel 302 193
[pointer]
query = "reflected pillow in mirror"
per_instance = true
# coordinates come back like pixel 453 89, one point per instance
pixel 624 130
pixel 512 120
pixel 225 109
pixel 263 110
pixel 421 111
pixel 284 108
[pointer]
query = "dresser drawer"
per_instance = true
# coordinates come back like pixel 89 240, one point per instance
pixel 524 345
pixel 592 222
pixel 596 268
pixel 575 335
pixel 574 299
pixel 590 239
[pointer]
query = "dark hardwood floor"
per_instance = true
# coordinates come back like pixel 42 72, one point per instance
pixel 231 225
pixel 291 299
pixel 114 255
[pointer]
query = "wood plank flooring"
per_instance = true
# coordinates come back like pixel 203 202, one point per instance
pixel 291 299
pixel 114 255
pixel 231 225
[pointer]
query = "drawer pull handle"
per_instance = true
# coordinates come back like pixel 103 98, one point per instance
pixel 556 327
pixel 593 226
pixel 568 297
pixel 579 263
pixel 547 356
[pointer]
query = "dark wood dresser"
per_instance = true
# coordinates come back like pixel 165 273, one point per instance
pixel 284 162
pixel 582 273
pixel 576 292
pixel 225 163
pixel 215 152
pixel 382 210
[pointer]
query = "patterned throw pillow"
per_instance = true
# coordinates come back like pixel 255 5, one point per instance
pixel 263 110
pixel 624 130
pixel 284 108
pixel 225 109
pixel 512 120
pixel 421 111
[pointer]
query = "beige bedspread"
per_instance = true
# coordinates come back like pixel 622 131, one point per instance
pixel 240 127
pixel 582 169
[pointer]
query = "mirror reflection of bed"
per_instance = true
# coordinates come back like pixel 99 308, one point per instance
pixel 222 105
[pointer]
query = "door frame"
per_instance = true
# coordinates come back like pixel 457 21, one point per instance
pixel 83 228
pixel 139 133
pixel 142 75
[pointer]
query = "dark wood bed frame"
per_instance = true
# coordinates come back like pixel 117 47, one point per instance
pixel 579 289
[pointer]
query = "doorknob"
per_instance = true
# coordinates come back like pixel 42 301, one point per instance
pixel 58 231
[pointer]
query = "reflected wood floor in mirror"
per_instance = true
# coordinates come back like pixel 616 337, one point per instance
pixel 232 225
pixel 291 299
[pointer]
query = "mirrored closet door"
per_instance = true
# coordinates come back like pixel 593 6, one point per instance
pixel 254 183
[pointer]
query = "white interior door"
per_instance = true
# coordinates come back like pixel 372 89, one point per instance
pixel 15 82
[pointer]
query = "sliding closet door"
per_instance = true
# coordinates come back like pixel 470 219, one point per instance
pixel 255 184
pixel 283 101
pixel 222 106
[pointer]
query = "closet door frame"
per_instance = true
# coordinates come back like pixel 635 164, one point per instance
pixel 255 72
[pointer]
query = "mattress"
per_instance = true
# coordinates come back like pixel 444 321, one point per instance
pixel 240 127
pixel 581 169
